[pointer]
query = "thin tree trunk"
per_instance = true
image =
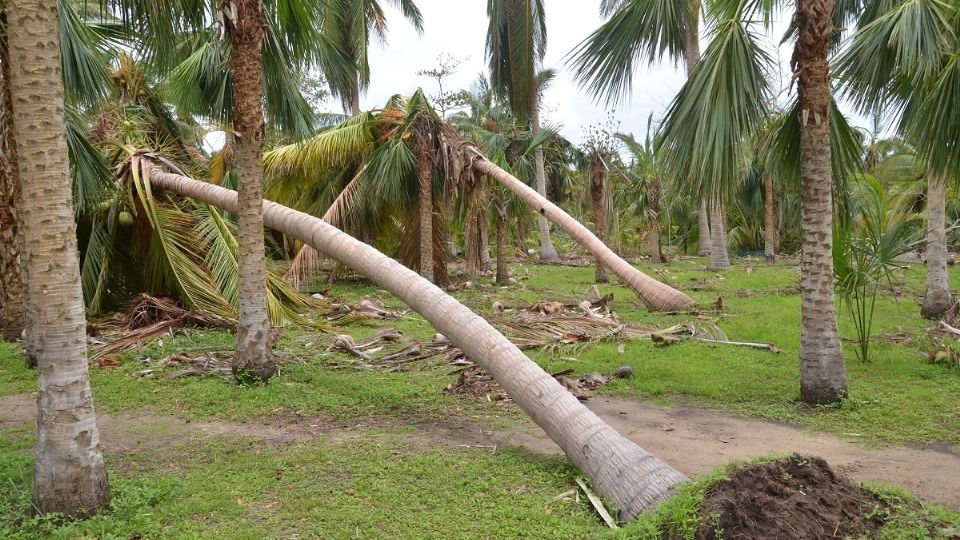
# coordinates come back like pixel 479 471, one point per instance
pixel 691 56
pixel 355 97
pixel 12 309
pixel 769 223
pixel 69 474
pixel 471 238
pixel 253 355
pixel 503 273
pixel 630 477
pixel 656 252
pixel 425 199
pixel 598 186
pixel 547 251
pixel 938 299
pixel 705 239
pixel 656 295
pixel 523 232
pixel 719 259
pixel 486 263
pixel 823 376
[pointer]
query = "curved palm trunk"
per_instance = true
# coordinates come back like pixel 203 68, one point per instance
pixel 823 376
pixel 632 478
pixel 425 178
pixel 938 299
pixel 719 259
pixel 547 251
pixel 598 186
pixel 655 295
pixel 12 309
pixel 252 356
pixel 69 474
pixel 769 223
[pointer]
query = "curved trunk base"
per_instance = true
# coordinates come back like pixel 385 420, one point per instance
pixel 936 303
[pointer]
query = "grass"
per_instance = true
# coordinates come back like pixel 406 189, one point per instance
pixel 395 485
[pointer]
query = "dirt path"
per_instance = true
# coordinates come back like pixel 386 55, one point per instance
pixel 693 440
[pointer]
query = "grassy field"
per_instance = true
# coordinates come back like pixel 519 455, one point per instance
pixel 388 481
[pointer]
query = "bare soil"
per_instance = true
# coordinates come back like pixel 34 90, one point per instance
pixel 693 440
pixel 799 497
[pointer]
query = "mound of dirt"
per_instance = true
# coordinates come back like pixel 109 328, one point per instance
pixel 794 498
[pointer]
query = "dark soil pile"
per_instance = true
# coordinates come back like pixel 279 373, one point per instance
pixel 794 498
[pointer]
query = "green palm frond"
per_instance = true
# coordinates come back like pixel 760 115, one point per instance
pixel 85 48
pixel 638 29
pixel 720 106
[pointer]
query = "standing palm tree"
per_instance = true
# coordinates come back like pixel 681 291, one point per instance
pixel 69 474
pixel 245 22
pixel 12 311
pixel 516 44
pixel 915 74
pixel 729 90
pixel 348 24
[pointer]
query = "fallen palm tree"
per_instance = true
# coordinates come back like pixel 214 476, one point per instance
pixel 366 139
pixel 629 476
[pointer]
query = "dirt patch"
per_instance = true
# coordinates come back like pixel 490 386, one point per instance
pixel 799 497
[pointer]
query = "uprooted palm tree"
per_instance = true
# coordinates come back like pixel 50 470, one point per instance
pixel 631 478
pixel 355 140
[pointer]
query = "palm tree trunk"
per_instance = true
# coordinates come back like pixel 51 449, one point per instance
pixel 622 471
pixel 69 474
pixel 705 238
pixel 656 252
pixel 719 259
pixel 425 198
pixel 823 376
pixel 486 263
pixel 656 295
pixel 503 273
pixel 547 251
pixel 253 356
pixel 598 187
pixel 938 299
pixel 523 232
pixel 12 310
pixel 471 239
pixel 769 223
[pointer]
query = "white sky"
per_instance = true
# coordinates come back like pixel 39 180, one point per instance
pixel 458 27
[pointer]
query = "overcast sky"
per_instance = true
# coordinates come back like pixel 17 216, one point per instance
pixel 458 27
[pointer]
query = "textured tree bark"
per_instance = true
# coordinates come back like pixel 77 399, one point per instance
pixel 598 187
pixel 769 223
pixel 719 259
pixel 252 358
pixel 823 376
pixel 471 239
pixel 12 310
pixel 656 251
pixel 503 272
pixel 619 469
pixel 655 295
pixel 705 239
pixel 69 474
pixel 425 199
pixel 938 299
pixel 523 232
pixel 486 263
pixel 547 251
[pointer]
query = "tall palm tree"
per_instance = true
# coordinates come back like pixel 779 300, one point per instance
pixel 516 44
pixel 650 29
pixel 69 473
pixel 730 90
pixel 12 310
pixel 349 25
pixel 629 476
pixel 245 22
pixel 914 74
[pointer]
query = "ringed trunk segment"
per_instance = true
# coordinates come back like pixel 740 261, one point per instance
pixel 657 296
pixel 631 477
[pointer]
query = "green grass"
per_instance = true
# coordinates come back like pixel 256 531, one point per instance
pixel 395 485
